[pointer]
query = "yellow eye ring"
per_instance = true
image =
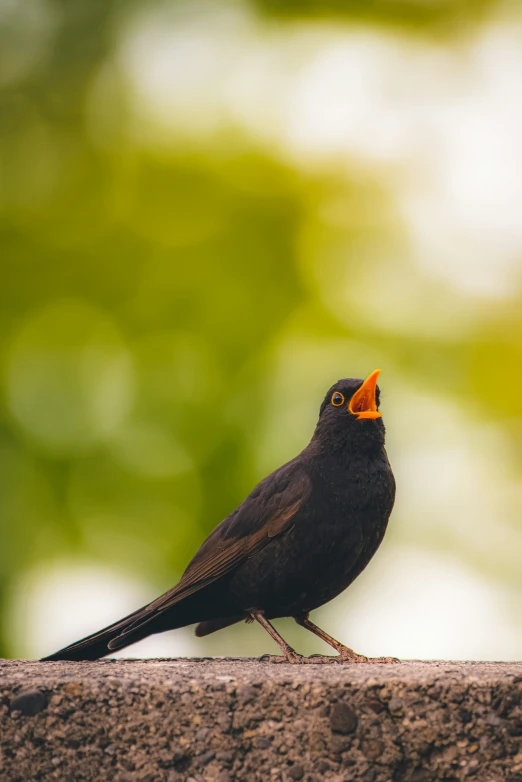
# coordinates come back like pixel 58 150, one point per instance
pixel 337 399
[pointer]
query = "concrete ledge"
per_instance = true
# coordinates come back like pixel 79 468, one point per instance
pixel 240 719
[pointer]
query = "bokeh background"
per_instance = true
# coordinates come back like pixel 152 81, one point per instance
pixel 210 213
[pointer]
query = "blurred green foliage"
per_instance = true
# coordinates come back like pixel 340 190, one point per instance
pixel 440 16
pixel 144 295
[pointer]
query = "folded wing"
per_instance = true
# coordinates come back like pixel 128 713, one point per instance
pixel 269 511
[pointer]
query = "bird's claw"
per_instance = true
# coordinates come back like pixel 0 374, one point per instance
pixel 290 656
pixel 342 657
pixel 349 656
pixel 273 658
pixel 294 658
pixel 345 656
pixel 323 659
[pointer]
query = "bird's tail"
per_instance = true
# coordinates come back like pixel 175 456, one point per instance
pixel 95 646
pixel 132 628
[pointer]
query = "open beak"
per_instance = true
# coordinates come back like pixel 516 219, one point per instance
pixel 363 403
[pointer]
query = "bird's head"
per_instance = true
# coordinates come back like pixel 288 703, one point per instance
pixel 349 414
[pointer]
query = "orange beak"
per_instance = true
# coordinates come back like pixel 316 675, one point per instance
pixel 363 403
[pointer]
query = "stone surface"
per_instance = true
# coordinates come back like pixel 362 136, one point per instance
pixel 226 720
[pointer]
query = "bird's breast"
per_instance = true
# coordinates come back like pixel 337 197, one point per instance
pixel 334 536
pixel 360 490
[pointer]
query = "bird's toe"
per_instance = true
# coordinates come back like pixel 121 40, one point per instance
pixel 349 656
pixel 322 659
pixel 290 657
pixel 272 658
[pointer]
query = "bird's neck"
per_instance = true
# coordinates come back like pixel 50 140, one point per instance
pixel 370 444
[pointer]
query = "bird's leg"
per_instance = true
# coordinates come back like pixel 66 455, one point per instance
pixel 345 654
pixel 290 655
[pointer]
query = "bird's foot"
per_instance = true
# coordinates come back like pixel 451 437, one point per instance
pixel 290 656
pixel 349 656
pixel 323 659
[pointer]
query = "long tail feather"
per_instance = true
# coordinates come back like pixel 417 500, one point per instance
pixel 144 622
pixel 95 646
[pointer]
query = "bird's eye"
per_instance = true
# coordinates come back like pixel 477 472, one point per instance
pixel 337 399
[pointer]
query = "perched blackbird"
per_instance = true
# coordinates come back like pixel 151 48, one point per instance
pixel 297 541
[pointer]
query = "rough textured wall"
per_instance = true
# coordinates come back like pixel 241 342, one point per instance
pixel 240 719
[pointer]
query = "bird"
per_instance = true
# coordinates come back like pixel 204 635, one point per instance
pixel 298 540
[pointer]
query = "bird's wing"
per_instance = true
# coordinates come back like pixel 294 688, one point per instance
pixel 266 513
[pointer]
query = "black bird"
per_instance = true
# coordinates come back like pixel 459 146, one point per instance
pixel 297 541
